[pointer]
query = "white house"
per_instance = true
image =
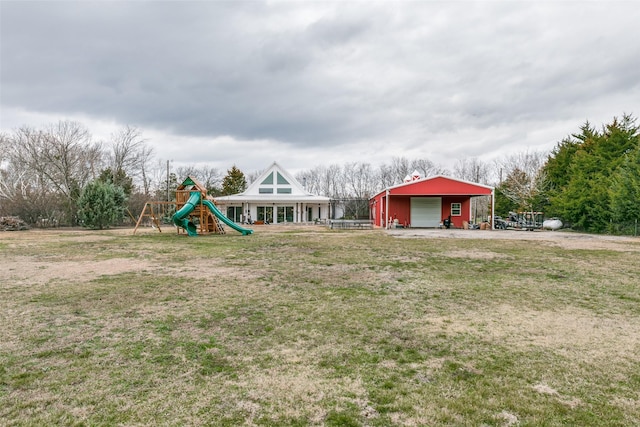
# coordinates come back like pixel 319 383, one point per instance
pixel 275 197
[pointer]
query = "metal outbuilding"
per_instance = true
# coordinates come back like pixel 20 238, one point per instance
pixel 427 202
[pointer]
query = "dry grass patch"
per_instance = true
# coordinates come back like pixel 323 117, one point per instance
pixel 477 254
pixel 573 332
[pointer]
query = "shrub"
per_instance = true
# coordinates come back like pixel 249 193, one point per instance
pixel 101 204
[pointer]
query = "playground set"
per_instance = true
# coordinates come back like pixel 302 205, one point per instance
pixel 195 213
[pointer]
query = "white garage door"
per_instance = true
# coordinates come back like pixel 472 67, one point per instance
pixel 425 211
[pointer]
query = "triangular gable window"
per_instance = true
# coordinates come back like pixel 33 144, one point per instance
pixel 281 180
pixel 268 179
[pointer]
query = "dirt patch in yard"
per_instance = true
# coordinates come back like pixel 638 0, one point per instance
pixel 24 268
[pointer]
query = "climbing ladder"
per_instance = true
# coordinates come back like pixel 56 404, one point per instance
pixel 217 225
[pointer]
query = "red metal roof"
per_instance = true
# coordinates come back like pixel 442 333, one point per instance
pixel 439 186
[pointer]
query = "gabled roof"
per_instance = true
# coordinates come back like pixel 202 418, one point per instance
pixel 275 177
pixel 274 184
pixel 193 183
pixel 439 185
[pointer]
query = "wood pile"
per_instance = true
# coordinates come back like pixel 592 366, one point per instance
pixel 12 223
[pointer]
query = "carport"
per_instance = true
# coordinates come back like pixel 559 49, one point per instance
pixel 426 202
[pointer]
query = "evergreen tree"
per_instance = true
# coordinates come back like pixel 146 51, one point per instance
pixel 582 170
pixel 119 179
pixel 584 202
pixel 625 194
pixel 101 204
pixel 234 182
pixel 556 170
pixel 617 139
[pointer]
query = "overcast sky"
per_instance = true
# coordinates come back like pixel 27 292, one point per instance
pixel 313 83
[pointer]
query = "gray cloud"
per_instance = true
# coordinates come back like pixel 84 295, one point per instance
pixel 326 74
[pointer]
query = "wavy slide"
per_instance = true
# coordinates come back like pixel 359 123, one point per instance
pixel 214 210
pixel 181 217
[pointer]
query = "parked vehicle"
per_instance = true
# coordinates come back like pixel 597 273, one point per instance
pixel 499 223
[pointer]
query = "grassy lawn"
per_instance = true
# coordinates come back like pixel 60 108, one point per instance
pixel 315 327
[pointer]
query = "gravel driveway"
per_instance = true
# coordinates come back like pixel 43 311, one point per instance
pixel 569 240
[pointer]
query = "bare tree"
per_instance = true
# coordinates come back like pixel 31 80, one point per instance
pixel 401 168
pixel 331 183
pixel 125 145
pixel 21 192
pixel 323 180
pixel 252 176
pixel 163 179
pixel 305 177
pixel 312 180
pixel 62 159
pixel 131 155
pixel 473 170
pixel 526 180
pixel 427 168
pixel 359 182
pixel 386 177
pixel 210 177
pixel 5 181
pixel 145 156
pixel 4 148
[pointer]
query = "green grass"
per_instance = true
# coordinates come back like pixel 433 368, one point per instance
pixel 332 328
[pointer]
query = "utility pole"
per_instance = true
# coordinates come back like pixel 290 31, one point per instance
pixel 168 200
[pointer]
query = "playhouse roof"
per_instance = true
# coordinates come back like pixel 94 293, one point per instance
pixel 439 185
pixel 192 182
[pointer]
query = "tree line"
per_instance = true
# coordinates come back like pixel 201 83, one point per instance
pixel 45 172
pixel 59 175
pixel 592 178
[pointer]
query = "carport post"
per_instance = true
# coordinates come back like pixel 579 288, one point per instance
pixel 386 211
pixel 493 208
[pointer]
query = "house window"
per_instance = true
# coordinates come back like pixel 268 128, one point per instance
pixel 456 209
pixel 285 214
pixel 282 180
pixel 285 190
pixel 263 190
pixel 268 180
pixel 265 213
pixel 234 213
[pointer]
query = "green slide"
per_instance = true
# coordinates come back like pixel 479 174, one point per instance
pixel 224 219
pixel 181 219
